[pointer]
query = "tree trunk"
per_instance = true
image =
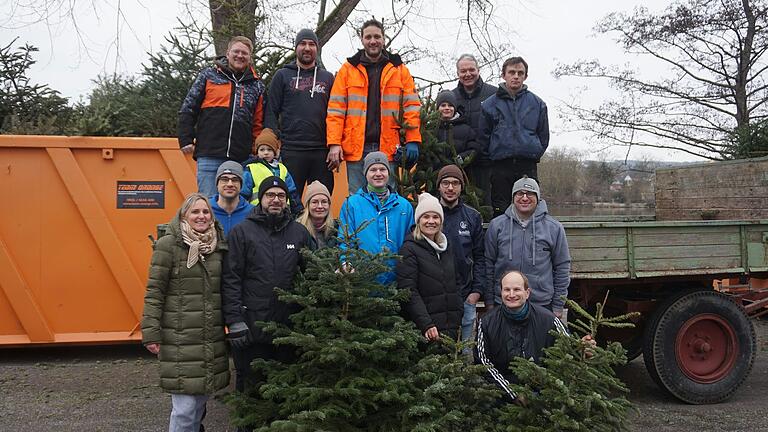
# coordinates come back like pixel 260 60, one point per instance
pixel 232 18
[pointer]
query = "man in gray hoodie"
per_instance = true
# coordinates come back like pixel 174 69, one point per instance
pixel 526 238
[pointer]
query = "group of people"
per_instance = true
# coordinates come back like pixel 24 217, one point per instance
pixel 265 178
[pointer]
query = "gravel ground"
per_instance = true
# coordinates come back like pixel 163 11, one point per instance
pixel 115 389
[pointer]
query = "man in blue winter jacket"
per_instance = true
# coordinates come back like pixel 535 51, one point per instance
pixel 514 132
pixel 526 238
pixel 229 207
pixel 463 226
pixel 390 215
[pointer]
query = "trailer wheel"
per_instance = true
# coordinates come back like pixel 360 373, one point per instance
pixel 701 347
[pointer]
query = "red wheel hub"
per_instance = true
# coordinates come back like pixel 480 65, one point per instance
pixel 706 348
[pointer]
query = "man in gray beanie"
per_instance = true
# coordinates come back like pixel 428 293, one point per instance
pixel 540 248
pixel 228 206
pixel 388 216
pixel 296 110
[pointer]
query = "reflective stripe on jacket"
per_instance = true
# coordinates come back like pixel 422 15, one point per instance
pixel 347 108
pixel 259 172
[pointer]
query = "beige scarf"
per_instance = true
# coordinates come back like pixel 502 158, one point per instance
pixel 199 243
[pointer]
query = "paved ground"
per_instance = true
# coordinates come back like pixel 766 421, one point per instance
pixel 114 389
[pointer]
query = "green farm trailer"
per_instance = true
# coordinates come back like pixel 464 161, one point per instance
pixel 697 343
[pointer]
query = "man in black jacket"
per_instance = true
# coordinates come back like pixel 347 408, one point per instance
pixel 222 113
pixel 517 328
pixel 263 254
pixel 463 226
pixel 296 109
pixel 470 92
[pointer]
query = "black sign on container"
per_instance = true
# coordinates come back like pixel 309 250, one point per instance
pixel 141 194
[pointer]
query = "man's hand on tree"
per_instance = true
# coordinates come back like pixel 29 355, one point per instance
pixel 432 334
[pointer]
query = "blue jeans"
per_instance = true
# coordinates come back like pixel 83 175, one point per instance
pixel 206 174
pixel 468 321
pixel 187 412
pixel 356 176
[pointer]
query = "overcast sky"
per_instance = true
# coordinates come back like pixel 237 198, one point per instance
pixel 544 32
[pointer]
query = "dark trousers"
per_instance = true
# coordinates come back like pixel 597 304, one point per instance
pixel 306 167
pixel 246 378
pixel 504 174
pixel 479 174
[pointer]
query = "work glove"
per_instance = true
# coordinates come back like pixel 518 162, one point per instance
pixel 411 153
pixel 239 335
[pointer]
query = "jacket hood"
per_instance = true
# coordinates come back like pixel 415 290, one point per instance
pixel 222 64
pixel 502 92
pixel 391 58
pixel 174 229
pixel 295 66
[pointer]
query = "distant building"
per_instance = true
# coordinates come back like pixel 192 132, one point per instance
pixel 616 186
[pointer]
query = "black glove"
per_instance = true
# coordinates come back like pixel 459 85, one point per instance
pixel 239 336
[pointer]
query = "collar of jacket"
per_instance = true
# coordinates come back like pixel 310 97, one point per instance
pixel 174 229
pixel 222 65
pixel 455 209
pixel 374 199
pixel 503 93
pixel 258 216
pixel 475 92
pixel 393 58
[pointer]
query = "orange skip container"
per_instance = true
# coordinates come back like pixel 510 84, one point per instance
pixel 75 223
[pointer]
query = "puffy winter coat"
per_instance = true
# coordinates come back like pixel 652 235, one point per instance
pixel 264 254
pixel 461 136
pixel 182 313
pixel 468 104
pixel 347 108
pixel 222 114
pixel 435 300
pixel 514 126
pixel 500 339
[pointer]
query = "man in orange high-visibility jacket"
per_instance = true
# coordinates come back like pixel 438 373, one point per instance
pixel 371 91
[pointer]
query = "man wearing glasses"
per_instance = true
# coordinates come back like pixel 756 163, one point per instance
pixel 264 253
pixel 527 239
pixel 228 206
pixel 463 226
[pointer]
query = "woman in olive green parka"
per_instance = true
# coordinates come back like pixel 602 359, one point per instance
pixel 182 320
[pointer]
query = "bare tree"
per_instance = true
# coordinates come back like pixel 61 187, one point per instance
pixel 705 87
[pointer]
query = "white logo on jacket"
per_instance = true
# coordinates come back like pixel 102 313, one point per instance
pixel 290 246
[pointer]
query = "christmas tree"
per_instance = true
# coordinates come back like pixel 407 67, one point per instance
pixel 433 155
pixel 360 366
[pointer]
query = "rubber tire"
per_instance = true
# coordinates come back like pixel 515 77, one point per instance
pixel 650 330
pixel 661 349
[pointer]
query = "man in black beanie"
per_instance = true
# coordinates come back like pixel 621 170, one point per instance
pixel 264 253
pixel 296 110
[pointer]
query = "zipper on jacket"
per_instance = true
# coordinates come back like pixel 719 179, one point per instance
pixel 234 106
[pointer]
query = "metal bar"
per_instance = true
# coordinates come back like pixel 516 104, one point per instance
pixel 631 253
pixel 744 248
pixel 100 227
pixel 45 141
pixel 22 300
pixel 180 170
